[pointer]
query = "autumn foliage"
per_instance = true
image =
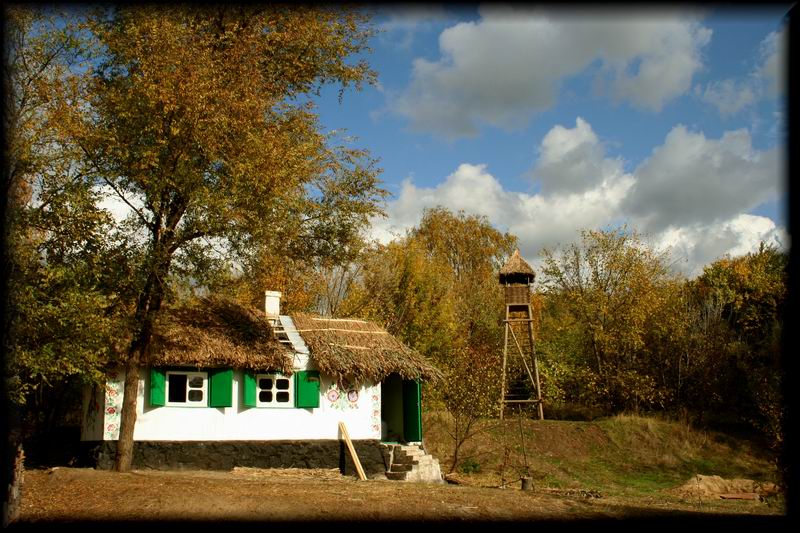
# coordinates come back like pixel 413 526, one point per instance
pixel 617 329
pixel 620 332
pixel 200 121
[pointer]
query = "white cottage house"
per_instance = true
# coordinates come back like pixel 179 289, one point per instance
pixel 225 386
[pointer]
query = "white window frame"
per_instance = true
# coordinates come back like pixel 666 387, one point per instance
pixel 189 375
pixel 274 404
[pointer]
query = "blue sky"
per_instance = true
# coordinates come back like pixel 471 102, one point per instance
pixel 549 122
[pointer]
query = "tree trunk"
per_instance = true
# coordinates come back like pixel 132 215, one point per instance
pixel 147 309
pixel 456 442
pixel 124 456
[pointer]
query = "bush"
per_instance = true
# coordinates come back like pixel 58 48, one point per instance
pixel 470 466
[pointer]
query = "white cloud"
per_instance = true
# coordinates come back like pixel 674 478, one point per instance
pixel 691 179
pixel 537 220
pixel 731 96
pixel 573 160
pixel 507 66
pixel 728 96
pixel 694 246
pixel 692 195
pixel 403 23
pixel 774 65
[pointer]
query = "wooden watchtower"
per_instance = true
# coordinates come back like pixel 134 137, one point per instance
pixel 518 386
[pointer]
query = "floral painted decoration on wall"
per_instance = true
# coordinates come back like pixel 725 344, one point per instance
pixel 342 396
pixel 376 412
pixel 113 406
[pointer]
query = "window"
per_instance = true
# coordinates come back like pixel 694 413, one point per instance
pixel 188 389
pixel 274 390
pixel 185 391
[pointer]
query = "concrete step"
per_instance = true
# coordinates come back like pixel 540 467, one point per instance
pixel 422 461
pixel 426 475
pixel 412 463
pixel 399 456
pixel 403 458
pixel 410 449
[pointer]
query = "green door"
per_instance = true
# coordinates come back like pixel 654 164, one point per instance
pixel 412 412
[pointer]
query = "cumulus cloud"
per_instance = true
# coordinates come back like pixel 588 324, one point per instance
pixel 692 179
pixel 537 220
pixel 691 195
pixel 774 64
pixel 404 22
pixel 694 246
pixel 728 96
pixel 508 65
pixel 573 160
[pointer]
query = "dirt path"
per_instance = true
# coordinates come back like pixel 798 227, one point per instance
pixel 83 495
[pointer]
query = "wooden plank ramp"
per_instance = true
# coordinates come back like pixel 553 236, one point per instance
pixel 353 454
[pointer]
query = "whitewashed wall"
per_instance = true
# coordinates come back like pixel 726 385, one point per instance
pixel 359 407
pixel 238 422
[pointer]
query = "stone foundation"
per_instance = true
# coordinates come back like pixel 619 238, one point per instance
pixel 375 457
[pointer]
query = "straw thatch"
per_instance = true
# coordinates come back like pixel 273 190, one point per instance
pixel 216 332
pixel 516 267
pixel 360 350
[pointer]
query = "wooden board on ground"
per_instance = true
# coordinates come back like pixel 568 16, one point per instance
pixel 352 449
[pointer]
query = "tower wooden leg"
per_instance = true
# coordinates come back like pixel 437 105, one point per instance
pixel 539 406
pixel 533 376
pixel 503 377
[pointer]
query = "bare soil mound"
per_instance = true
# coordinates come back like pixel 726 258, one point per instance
pixel 715 487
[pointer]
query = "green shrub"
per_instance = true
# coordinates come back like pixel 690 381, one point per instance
pixel 470 466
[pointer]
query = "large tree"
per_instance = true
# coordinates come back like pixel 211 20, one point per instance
pixel 749 296
pixel 603 296
pixel 60 317
pixel 199 121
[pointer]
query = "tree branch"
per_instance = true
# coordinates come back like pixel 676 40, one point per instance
pixel 110 184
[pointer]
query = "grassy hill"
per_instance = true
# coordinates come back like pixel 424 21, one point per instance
pixel 626 456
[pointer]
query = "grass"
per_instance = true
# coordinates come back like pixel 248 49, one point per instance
pixel 620 467
pixel 626 455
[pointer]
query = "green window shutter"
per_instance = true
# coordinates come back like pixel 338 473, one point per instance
pixel 220 384
pixel 306 389
pixel 249 389
pixel 158 387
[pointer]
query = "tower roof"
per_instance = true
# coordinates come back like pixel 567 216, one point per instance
pixel 516 265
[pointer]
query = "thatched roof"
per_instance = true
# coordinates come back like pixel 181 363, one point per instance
pixel 360 350
pixel 516 265
pixel 217 332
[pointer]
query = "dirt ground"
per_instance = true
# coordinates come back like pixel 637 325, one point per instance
pixel 715 487
pixel 248 494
